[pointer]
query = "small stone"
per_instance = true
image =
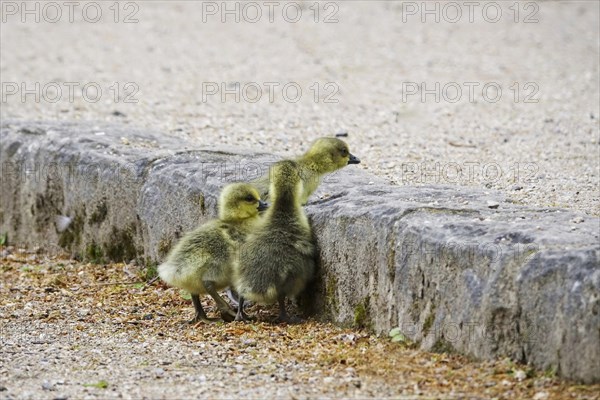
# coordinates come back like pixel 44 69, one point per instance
pixel 517 187
pixel 540 396
pixel 158 372
pixel 492 204
pixel 520 375
pixel 3 388
pixel 47 386
pixel 124 140
pixel 118 113
pixel 577 220
pixel 83 312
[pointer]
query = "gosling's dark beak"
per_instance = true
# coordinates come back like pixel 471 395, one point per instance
pixel 353 159
pixel 262 205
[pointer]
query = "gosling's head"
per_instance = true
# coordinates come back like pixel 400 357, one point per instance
pixel 329 154
pixel 239 201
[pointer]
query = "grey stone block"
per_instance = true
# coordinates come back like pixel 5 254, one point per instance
pixel 453 273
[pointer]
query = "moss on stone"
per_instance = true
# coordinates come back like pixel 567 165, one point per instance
pixel 429 321
pixel 202 204
pixel 443 346
pixel 331 293
pixel 122 245
pixel 361 314
pixel 391 261
pixel 94 253
pixel 151 270
pixel 164 245
pixel 99 214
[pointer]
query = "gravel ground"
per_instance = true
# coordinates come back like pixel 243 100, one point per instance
pixel 83 331
pixel 537 140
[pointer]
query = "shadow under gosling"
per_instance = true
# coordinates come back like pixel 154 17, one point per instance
pixel 278 258
pixel 202 261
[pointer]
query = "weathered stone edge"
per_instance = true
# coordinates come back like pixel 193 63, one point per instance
pixel 453 274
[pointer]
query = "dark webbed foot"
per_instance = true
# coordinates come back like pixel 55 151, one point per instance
pixel 248 317
pixel 241 315
pixel 200 315
pixel 228 315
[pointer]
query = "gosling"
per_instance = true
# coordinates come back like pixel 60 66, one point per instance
pixel 278 258
pixel 202 261
pixel 326 155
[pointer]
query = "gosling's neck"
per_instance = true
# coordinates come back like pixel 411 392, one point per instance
pixel 240 223
pixel 312 165
pixel 286 200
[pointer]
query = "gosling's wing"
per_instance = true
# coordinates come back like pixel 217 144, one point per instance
pixel 205 254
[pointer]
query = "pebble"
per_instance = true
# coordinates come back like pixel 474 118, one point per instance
pixel 577 220
pixel 520 375
pixel 492 204
pixel 158 372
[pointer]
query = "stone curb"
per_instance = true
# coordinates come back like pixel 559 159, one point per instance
pixel 450 267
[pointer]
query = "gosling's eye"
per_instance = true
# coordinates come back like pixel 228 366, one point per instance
pixel 250 198
pixel 344 152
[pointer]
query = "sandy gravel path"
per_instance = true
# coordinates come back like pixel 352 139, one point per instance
pixel 419 100
pixel 83 331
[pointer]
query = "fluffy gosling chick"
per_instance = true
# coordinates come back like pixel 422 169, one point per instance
pixel 326 155
pixel 278 257
pixel 202 261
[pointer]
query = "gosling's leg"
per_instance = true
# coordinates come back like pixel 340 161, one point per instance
pixel 233 296
pixel 283 315
pixel 200 314
pixel 241 315
pixel 227 313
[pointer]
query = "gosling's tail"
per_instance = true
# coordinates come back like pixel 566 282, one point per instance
pixel 167 273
